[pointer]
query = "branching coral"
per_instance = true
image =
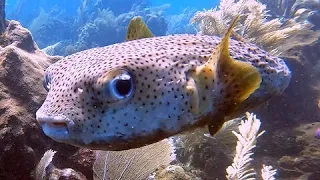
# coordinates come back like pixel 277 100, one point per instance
pixel 39 21
pixel 179 23
pixel 267 172
pixel 254 24
pixel 50 49
pixel 44 164
pixel 247 137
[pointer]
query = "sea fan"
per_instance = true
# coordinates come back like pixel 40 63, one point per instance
pixel 254 25
pixel 135 164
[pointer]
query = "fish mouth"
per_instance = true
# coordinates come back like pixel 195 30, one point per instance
pixel 56 127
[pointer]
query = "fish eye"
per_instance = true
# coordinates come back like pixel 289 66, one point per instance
pixel 47 82
pixel 116 85
pixel 121 86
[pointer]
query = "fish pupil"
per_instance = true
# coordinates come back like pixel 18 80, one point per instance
pixel 123 86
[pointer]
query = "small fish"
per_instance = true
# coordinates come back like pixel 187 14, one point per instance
pixel 138 92
pixel 317 134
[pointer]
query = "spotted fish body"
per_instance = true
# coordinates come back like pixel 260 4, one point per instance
pixel 163 99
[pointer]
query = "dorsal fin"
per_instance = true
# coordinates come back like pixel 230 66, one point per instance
pixel 137 29
pixel 233 82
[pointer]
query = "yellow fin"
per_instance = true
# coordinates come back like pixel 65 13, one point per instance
pixel 238 36
pixel 234 81
pixel 137 29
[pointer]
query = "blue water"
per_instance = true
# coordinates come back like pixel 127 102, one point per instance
pixel 25 9
pixel 82 24
pixel 178 5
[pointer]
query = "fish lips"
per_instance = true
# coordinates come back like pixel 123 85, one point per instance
pixel 56 127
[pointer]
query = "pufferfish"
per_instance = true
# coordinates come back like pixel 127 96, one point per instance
pixel 138 92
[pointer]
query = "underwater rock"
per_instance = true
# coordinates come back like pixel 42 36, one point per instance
pixel 308 4
pixel 307 162
pixel 203 155
pixel 286 9
pixel 177 172
pixel 83 161
pixel 21 70
pixel 21 92
pixel 299 101
pixel 172 172
pixel 297 105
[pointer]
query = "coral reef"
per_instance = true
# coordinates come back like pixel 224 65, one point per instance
pixel 106 28
pixel 254 25
pixel 299 103
pixel 302 56
pixel 179 23
pixel 287 8
pixel 199 151
pixel 97 23
pixel 51 27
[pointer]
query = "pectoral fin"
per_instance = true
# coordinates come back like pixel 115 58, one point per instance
pixel 234 81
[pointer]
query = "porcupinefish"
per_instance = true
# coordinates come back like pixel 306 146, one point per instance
pixel 138 92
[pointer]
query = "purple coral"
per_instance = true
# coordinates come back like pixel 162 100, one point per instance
pixel 317 135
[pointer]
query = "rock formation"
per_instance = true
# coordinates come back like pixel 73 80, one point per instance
pixel 21 93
